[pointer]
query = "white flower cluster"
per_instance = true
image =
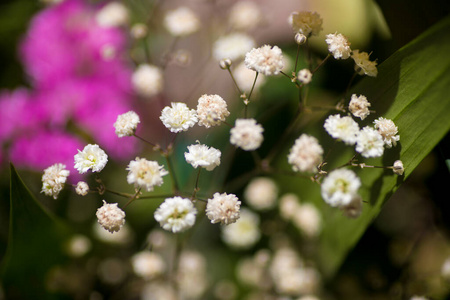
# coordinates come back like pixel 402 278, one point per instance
pixel 148 264
pixel 82 188
pixel 147 80
pixel 192 276
pixel 306 23
pixel 92 157
pixel 247 134
pixel 244 233
pixel 245 78
pixel 338 45
pixel 113 14
pixel 110 217
pixel 340 187
pixel 261 193
pixel 211 110
pixel 223 208
pixel 181 21
pixel 178 117
pixel 53 180
pixel 359 106
pixel 388 131
pixel 176 214
pixel 363 65
pixel 369 142
pixel 245 15
pixel 343 128
pixel 203 156
pixel 126 124
pixel 304 76
pixel 306 154
pixel 232 46
pixel 306 217
pixel 145 174
pixel 266 60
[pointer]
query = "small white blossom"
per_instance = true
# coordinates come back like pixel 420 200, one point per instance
pixel 92 157
pixel 139 31
pixel 247 134
pixel 338 45
pixel 148 264
pixel 359 106
pixel 245 77
pixel 445 269
pixel 211 110
pixel 126 124
pixel 244 233
pixel 343 128
pixel 289 203
pixel 223 208
pixel 110 217
pixel 145 174
pixel 245 15
pixel 363 65
pixel 307 218
pixel 261 193
pixel 192 276
pixel 304 76
pixel 178 117
pixel 53 180
pixel 398 167
pixel 300 38
pixel 232 46
pixel 266 60
pixel 388 131
pixel 78 245
pixel 369 142
pixel 339 187
pixel 113 14
pixel 354 208
pixel 306 22
pixel 181 21
pixel 147 80
pixel 306 154
pixel 176 214
pixel 82 188
pixel 203 156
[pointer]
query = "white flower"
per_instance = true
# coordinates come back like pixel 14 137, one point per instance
pixel 126 124
pixel 388 131
pixel 306 22
pixel 307 218
pixel 398 167
pixel 203 156
pixel 176 214
pixel 192 276
pixel 148 264
pixel 110 217
pixel 339 187
pixel 147 80
pixel 289 203
pixel 139 31
pixel 245 77
pixel 53 180
pixel 178 117
pixel 181 22
pixel 266 60
pixel 343 128
pixel 359 106
pixel 232 46
pixel 145 174
pixel 223 208
pixel 82 188
pixel 78 245
pixel 306 154
pixel 445 269
pixel 244 233
pixel 304 76
pixel 245 15
pixel 354 208
pixel 92 157
pixel 247 134
pixel 338 45
pixel 211 110
pixel 261 193
pixel 369 142
pixel 113 14
pixel 363 65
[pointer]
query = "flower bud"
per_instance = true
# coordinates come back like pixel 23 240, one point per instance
pixel 300 38
pixel 225 64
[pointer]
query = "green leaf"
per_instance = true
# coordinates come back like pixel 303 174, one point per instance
pixel 412 90
pixel 35 245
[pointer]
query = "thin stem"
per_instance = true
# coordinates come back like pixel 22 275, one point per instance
pixel 119 193
pixel 321 63
pixel 256 158
pixel 196 189
pixel 296 58
pixel 253 86
pixel 133 198
pixel 145 141
pixel 290 78
pixel 234 80
pixel 350 84
pixel 171 173
pixel 308 54
pixel 157 196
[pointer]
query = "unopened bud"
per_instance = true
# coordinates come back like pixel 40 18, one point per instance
pixel 300 38
pixel 225 64
pixel 398 167
pixel 139 31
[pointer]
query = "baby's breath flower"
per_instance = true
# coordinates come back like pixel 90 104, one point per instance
pixel 113 14
pixel 388 131
pixel 78 245
pixel 300 38
pixel 203 156
pixel 53 180
pixel 211 110
pixel 354 208
pixel 232 46
pixel 223 208
pixel 266 60
pixel 359 106
pixel 126 124
pixel 304 76
pixel 307 218
pixel 92 157
pixel 176 214
pixel 338 45
pixel 398 167
pixel 363 65
pixel 181 22
pixel 445 269
pixel 261 193
pixel 340 187
pixel 148 264
pixel 288 205
pixel 306 22
pixel 369 142
pixel 244 233
pixel 225 63
pixel 306 154
pixel 245 15
pixel 343 128
pixel 178 117
pixel 147 80
pixel 110 217
pixel 247 134
pixel 139 31
pixel 245 77
pixel 145 174
pixel 82 188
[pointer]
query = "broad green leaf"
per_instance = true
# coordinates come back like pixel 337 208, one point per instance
pixel 412 90
pixel 35 245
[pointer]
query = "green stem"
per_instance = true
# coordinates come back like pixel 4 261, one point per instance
pixel 133 198
pixel 321 63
